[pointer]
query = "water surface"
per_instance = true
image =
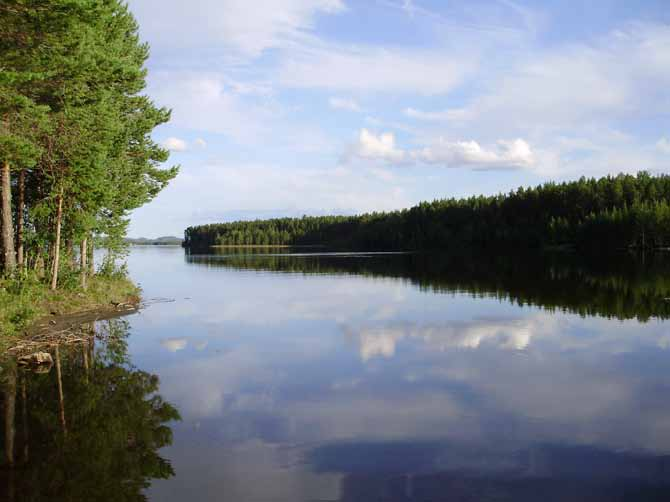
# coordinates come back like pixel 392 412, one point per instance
pixel 358 377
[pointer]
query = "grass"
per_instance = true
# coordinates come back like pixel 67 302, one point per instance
pixel 24 301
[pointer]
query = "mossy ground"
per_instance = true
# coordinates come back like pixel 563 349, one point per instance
pixel 22 302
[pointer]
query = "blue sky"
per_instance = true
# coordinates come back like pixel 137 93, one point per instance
pixel 291 107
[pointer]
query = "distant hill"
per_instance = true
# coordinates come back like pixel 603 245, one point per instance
pixel 160 241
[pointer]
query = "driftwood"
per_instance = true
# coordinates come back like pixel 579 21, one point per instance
pixel 50 332
pixel 65 330
pixel 71 329
pixel 36 359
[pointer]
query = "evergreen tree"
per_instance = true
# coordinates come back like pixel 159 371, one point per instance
pixel 75 128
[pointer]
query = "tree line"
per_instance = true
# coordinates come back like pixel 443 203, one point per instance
pixel 76 154
pixel 624 211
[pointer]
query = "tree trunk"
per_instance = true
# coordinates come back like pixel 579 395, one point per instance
pixel 6 223
pixel 91 263
pixel 56 262
pixel 19 220
pixel 10 413
pixel 83 267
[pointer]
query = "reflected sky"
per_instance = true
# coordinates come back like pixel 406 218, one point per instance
pixel 333 386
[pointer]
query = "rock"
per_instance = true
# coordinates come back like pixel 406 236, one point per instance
pixel 36 359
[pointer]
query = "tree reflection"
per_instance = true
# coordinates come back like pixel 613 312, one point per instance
pixel 116 423
pixel 621 286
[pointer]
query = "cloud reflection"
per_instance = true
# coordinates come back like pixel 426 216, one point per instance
pixel 174 344
pixel 509 334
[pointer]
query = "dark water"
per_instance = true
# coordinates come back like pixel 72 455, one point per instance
pixel 357 378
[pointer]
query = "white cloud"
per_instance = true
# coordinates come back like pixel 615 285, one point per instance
pixel 507 154
pixel 230 24
pixel 372 147
pixel 174 344
pixel 438 116
pixel 620 74
pixel 663 145
pixel 175 144
pixel 369 68
pixel 209 102
pixel 179 145
pixel 344 104
pixel 565 100
pixel 408 6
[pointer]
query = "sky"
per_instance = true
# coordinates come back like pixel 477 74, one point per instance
pixel 292 107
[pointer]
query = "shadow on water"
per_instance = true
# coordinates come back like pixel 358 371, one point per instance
pixel 88 427
pixel 620 286
pixel 435 471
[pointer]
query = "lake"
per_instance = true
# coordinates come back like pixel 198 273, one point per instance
pixel 300 376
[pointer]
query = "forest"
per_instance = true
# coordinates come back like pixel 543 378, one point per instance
pixel 613 212
pixel 76 154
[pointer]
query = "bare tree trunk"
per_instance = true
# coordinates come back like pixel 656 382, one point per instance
pixel 83 267
pixel 91 263
pixel 19 219
pixel 61 399
pixel 6 223
pixel 10 413
pixel 56 260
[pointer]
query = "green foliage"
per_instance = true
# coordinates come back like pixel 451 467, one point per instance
pixel 614 212
pixel 110 268
pixel 25 299
pixel 75 124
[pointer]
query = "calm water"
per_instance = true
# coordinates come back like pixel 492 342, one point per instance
pixel 357 378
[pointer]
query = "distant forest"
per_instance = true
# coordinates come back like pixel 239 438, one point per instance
pixel 614 212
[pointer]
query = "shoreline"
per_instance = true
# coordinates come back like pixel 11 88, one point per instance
pixel 30 310
pixel 49 332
